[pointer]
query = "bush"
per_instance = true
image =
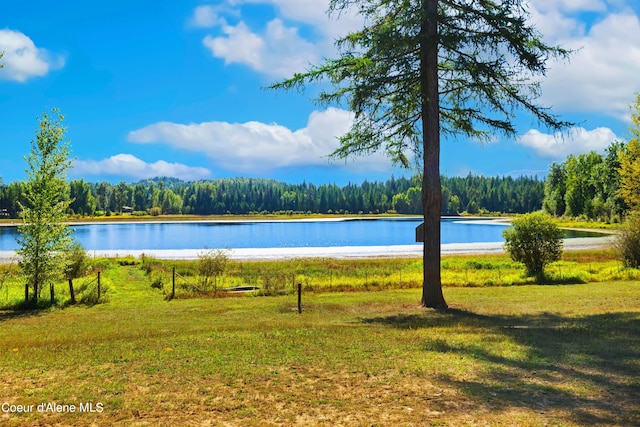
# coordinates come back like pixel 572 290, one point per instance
pixel 627 244
pixel 534 240
pixel 212 264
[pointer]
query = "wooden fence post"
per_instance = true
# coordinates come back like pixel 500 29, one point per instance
pixel 173 283
pixel 98 285
pixel 299 298
pixel 72 293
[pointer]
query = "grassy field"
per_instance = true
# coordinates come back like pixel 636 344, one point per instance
pixel 331 275
pixel 552 354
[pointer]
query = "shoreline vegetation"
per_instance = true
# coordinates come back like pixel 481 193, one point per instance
pixel 184 278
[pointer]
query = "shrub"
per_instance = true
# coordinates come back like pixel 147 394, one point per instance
pixel 627 243
pixel 534 240
pixel 212 264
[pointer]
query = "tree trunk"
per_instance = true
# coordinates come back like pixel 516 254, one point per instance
pixel 431 187
pixel 71 293
pixel 26 294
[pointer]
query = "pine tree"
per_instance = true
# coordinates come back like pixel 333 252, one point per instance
pixel 420 68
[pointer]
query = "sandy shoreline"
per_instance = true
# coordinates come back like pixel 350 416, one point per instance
pixel 338 252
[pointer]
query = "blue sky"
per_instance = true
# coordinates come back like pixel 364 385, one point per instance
pixel 175 88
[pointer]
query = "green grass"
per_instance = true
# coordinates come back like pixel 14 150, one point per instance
pixel 552 354
pixel 585 224
pixel 331 275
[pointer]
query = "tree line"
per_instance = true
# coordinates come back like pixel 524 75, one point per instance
pixel 587 186
pixel 603 187
pixel 158 196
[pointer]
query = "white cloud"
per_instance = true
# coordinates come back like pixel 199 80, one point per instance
pixel 314 14
pixel 240 45
pixel 204 16
pixel 258 147
pixel 604 72
pixel 22 59
pixel 131 166
pixel 600 77
pixel 577 141
pixel 570 5
pixel 555 24
pixel 278 52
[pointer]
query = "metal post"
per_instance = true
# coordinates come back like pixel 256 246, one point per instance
pixel 299 298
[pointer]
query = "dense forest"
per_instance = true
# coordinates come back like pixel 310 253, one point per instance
pixel 585 186
pixel 473 194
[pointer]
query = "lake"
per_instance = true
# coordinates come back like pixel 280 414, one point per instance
pixel 267 234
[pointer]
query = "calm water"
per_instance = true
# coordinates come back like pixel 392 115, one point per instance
pixel 198 235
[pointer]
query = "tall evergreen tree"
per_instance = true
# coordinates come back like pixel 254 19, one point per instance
pixel 44 237
pixel 420 68
pixel 82 201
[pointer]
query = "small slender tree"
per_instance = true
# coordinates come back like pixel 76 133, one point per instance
pixel 44 236
pixel 420 68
